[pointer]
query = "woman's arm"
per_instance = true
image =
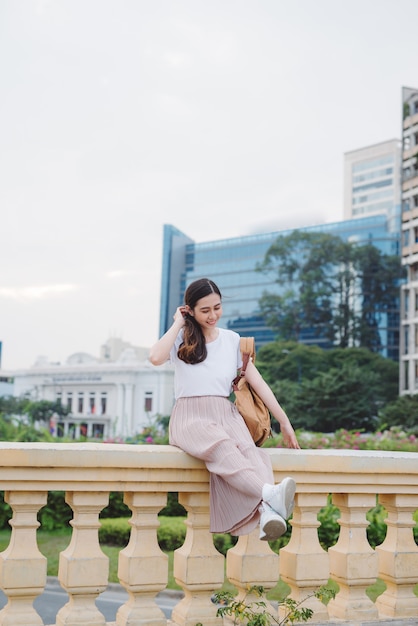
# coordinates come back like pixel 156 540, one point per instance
pixel 257 382
pixel 160 351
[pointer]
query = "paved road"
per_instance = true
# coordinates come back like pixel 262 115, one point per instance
pixel 54 597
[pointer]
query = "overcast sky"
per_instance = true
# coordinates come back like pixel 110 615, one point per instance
pixel 221 117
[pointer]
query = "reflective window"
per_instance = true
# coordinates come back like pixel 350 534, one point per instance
pixel 103 402
pixel 373 163
pixel 148 401
pixel 372 175
pixel 375 185
pixel 373 196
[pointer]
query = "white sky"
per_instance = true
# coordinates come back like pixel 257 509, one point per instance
pixel 221 117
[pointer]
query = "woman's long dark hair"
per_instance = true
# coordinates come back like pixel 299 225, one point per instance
pixel 193 349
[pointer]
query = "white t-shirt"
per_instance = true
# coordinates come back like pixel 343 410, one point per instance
pixel 212 377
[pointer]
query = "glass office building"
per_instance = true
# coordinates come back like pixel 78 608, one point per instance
pixel 232 262
pixel 372 182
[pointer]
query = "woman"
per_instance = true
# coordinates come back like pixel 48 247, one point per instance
pixel 207 425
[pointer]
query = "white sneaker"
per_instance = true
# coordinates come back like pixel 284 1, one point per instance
pixel 281 497
pixel 272 525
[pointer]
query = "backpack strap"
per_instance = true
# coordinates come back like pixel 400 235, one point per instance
pixel 247 347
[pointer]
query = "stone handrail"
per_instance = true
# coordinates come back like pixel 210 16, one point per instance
pixel 145 474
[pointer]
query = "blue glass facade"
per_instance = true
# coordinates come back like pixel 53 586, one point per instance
pixel 231 263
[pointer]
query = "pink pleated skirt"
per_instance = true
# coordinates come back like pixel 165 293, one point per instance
pixel 211 429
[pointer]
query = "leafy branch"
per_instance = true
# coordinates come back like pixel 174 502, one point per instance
pixel 255 613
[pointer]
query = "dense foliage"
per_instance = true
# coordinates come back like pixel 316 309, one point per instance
pixel 171 533
pixel 394 439
pixel 333 289
pixel 22 419
pixel 253 610
pixel 325 390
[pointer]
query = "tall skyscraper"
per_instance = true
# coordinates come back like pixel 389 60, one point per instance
pixel 372 182
pixel 409 244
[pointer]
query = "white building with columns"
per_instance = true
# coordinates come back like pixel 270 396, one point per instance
pixel 115 395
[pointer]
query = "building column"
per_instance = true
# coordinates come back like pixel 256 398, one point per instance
pixel 119 418
pixel 97 404
pixel 129 425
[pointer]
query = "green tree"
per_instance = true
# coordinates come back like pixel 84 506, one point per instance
pixel 43 410
pixel 290 360
pixel 303 265
pixel 7 428
pixel 401 412
pixel 378 279
pixel 10 406
pixel 10 428
pixel 339 290
pixel 341 398
pixel 324 390
pixel 386 369
pixel 14 414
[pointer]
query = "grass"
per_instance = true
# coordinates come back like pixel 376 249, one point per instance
pixel 52 543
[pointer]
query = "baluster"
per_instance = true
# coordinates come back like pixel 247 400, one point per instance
pixel 353 562
pixel 304 564
pixel 143 567
pixel 252 562
pixel 198 566
pixel 22 566
pixel 83 568
pixel 398 558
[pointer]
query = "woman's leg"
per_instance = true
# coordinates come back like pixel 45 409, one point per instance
pixel 212 430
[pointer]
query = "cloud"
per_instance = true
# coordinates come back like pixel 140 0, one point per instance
pixel 35 292
pixel 177 59
pixel 121 273
pixel 221 118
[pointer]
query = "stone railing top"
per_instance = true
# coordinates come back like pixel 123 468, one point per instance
pixel 126 467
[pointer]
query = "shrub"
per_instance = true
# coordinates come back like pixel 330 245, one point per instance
pixel 376 532
pixel 223 542
pixel 254 612
pixel 393 439
pixel 56 513
pixel 170 534
pixel 173 508
pixel 329 530
pixel 116 506
pixel 114 531
pixel 5 512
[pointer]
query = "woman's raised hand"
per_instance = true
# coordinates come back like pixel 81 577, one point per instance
pixel 180 314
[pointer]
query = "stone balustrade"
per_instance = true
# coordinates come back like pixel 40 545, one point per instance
pixel 89 472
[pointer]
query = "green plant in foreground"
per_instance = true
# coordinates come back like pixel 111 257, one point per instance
pixel 255 613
